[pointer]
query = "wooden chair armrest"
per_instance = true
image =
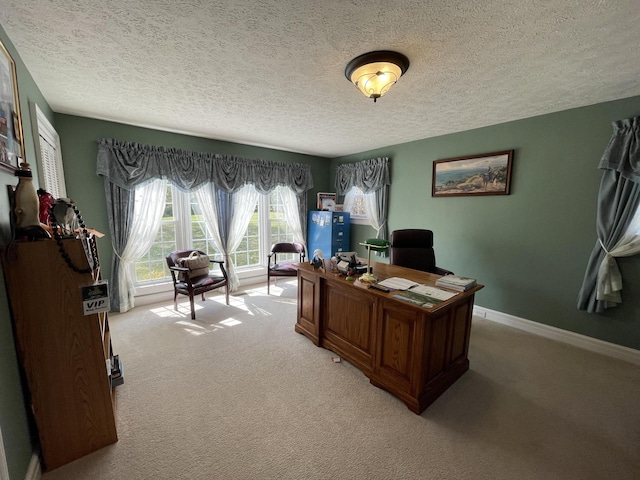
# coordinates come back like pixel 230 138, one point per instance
pixel 213 260
pixel 179 269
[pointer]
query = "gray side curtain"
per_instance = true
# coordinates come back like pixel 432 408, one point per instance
pixel 126 165
pixel 302 211
pixel 370 176
pixel 618 201
pixel 120 203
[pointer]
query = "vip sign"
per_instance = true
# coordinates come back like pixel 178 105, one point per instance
pixel 95 298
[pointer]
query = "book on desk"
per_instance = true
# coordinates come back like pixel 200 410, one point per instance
pixel 456 282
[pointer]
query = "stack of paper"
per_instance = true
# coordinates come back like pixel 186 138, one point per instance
pixel 456 282
pixel 424 295
pixel 397 283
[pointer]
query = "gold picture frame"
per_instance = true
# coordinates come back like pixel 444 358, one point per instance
pixel 473 175
pixel 11 137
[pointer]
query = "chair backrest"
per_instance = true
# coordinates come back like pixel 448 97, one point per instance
pixel 173 257
pixel 287 247
pixel 413 248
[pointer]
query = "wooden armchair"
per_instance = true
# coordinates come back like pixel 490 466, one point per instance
pixel 193 278
pixel 287 268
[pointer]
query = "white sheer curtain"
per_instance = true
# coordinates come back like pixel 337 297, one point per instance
pixel 243 205
pixel 147 215
pixel 292 213
pixel 609 278
pixel 374 213
pixel 349 197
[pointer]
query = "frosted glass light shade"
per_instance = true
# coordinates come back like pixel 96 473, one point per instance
pixel 374 73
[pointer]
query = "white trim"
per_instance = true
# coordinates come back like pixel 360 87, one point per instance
pixel 620 352
pixel 4 468
pixel 42 128
pixel 358 220
pixel 34 471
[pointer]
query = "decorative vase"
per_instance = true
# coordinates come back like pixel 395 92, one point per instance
pixel 27 206
pixel 46 202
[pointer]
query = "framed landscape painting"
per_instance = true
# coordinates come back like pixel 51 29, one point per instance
pixel 486 174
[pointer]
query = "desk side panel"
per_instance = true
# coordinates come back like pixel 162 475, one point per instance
pixel 461 330
pixel 445 358
pixel 308 322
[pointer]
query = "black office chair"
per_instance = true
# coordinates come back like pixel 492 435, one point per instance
pixel 287 268
pixel 413 248
pixel 191 275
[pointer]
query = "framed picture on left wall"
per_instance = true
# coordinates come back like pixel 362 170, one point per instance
pixel 11 139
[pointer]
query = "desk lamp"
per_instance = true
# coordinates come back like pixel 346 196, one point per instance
pixel 377 245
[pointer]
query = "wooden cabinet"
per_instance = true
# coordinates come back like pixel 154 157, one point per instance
pixel 64 353
pixel 415 353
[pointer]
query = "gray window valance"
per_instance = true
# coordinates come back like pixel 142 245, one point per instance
pixel 368 175
pixel 128 164
pixel 623 151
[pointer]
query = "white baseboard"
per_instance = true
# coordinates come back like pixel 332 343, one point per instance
pixel 34 472
pixel 627 354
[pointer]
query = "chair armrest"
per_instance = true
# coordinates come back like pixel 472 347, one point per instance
pixel 179 269
pixel 213 260
pixel 187 276
pixel 442 271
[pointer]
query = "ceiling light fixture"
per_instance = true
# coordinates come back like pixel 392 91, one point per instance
pixel 374 73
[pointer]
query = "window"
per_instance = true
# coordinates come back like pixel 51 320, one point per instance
pixel 48 156
pixel 183 226
pixel 152 266
pixel 356 205
pixel 277 228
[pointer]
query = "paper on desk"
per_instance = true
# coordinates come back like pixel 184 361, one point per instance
pixel 433 292
pixel 397 283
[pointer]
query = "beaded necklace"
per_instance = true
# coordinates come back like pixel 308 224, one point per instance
pixel 91 251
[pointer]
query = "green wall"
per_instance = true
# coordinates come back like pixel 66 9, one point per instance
pixel 14 421
pixel 78 137
pixel 530 248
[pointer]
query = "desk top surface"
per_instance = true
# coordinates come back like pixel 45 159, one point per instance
pixel 384 271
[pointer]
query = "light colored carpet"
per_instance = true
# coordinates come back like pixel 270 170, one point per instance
pixel 237 394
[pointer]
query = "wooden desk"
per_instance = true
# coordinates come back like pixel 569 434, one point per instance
pixel 413 352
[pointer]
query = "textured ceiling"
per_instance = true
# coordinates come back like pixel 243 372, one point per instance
pixel 271 72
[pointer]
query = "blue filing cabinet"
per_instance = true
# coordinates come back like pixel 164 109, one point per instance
pixel 328 231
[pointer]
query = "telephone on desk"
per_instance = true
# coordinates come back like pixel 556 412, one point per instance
pixel 349 260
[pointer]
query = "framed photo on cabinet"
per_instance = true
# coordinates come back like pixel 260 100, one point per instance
pixel 11 139
pixel 327 201
pixel 474 175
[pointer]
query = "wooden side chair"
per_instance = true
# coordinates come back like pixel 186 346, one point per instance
pixel 190 270
pixel 287 268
